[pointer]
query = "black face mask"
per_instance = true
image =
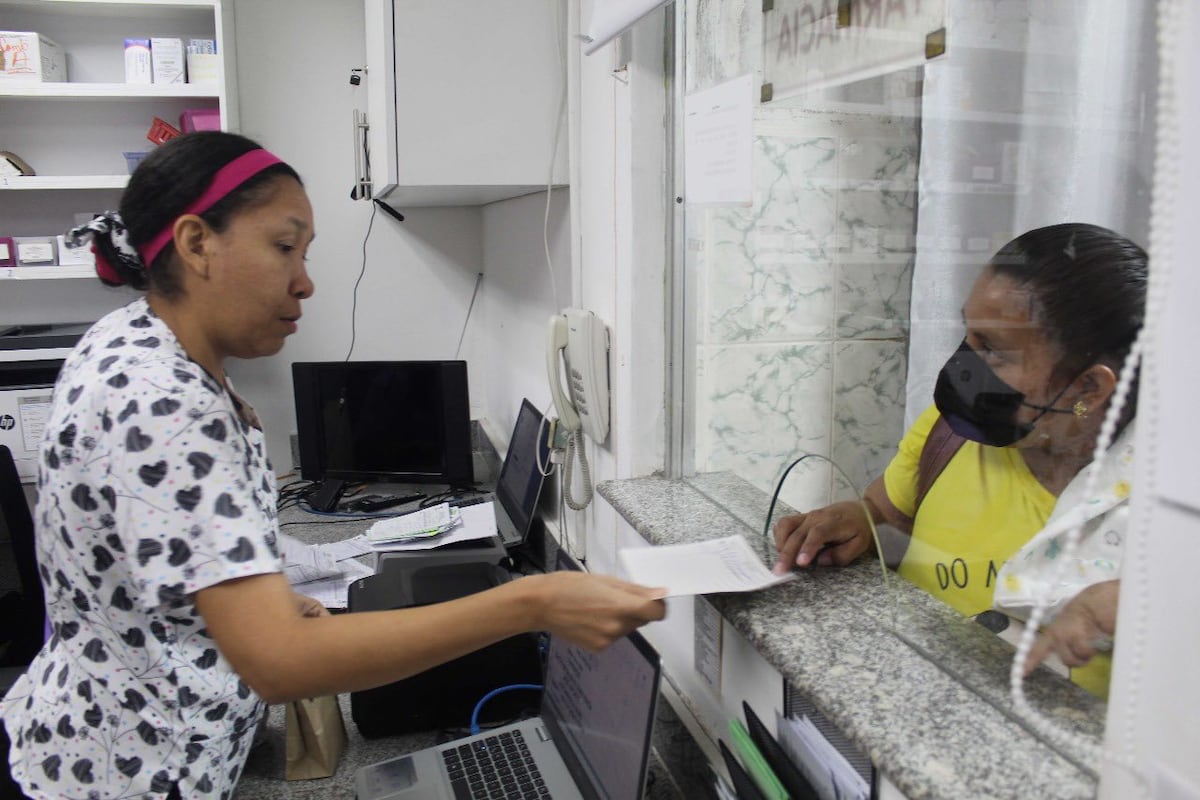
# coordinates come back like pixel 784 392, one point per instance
pixel 981 407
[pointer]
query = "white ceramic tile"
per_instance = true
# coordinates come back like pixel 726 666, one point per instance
pixel 867 163
pixel 759 407
pixel 873 300
pixel 868 407
pixel 768 272
pixel 876 224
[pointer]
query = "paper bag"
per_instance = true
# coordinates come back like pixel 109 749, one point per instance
pixel 316 736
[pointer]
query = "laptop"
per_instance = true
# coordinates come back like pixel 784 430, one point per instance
pixel 591 741
pixel 520 483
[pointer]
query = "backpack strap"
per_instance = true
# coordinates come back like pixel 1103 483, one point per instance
pixel 940 446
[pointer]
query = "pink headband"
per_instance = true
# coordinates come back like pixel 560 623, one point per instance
pixel 228 178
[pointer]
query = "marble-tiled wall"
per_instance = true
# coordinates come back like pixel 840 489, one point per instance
pixel 802 304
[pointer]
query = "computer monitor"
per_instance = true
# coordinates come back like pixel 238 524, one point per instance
pixel 389 421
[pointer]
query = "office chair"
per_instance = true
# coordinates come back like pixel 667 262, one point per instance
pixel 23 612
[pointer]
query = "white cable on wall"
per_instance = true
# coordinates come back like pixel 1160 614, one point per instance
pixel 1161 253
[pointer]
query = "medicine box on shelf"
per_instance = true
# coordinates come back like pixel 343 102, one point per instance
pixel 204 68
pixel 166 59
pixel 137 61
pixel 35 251
pixel 30 57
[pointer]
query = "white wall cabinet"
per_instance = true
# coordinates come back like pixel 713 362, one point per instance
pixel 74 133
pixel 464 98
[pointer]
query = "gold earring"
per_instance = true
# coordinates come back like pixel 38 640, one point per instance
pixel 1079 409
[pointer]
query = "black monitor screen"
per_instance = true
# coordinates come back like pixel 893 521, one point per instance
pixel 400 421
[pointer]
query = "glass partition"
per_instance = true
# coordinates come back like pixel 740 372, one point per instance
pixel 897 154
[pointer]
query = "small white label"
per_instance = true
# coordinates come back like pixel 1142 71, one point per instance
pixel 5 253
pixel 34 411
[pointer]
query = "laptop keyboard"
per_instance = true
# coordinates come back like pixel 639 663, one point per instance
pixel 499 767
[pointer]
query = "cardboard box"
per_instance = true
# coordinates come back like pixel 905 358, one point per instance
pixel 204 68
pixel 30 57
pixel 137 61
pixel 166 60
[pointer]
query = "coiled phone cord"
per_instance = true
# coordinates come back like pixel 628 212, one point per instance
pixel 575 447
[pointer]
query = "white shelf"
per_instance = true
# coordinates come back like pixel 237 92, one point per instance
pixel 47 273
pixel 50 182
pixel 105 91
pixel 98 6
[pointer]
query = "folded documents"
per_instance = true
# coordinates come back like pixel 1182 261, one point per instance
pixel 424 524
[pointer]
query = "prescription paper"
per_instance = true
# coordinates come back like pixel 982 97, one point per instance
pixel 718 565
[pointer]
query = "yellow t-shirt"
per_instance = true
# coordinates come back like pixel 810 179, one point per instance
pixel 984 506
pixel 980 511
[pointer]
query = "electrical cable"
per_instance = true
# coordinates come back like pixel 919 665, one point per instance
pixel 859 496
pixel 361 272
pixel 537 450
pixel 1162 254
pixel 558 122
pixel 512 687
pixel 451 494
pixel 474 294
pixel 349 515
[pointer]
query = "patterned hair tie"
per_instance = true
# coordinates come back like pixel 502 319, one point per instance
pixel 111 225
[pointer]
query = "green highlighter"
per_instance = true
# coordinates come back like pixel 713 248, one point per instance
pixel 755 764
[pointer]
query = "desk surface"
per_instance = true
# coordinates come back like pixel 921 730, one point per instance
pixel 676 768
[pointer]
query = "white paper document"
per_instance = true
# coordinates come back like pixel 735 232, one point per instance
pixel 477 522
pixel 304 562
pixel 332 592
pixel 718 565
pixel 718 148
pixel 827 770
pixel 347 548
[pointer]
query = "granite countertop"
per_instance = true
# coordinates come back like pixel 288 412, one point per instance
pixel 920 690
pixel 675 770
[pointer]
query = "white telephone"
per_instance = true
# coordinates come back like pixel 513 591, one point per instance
pixel 582 339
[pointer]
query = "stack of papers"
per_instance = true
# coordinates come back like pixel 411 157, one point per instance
pixel 324 572
pixel 428 523
pixel 829 772
pixel 473 522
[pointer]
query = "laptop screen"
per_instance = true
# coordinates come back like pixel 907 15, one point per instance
pixel 520 481
pixel 600 709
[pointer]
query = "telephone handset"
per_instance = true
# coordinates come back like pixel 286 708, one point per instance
pixel 583 341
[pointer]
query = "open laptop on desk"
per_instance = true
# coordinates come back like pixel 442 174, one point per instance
pixel 591 741
pixel 514 502
pixel 520 483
